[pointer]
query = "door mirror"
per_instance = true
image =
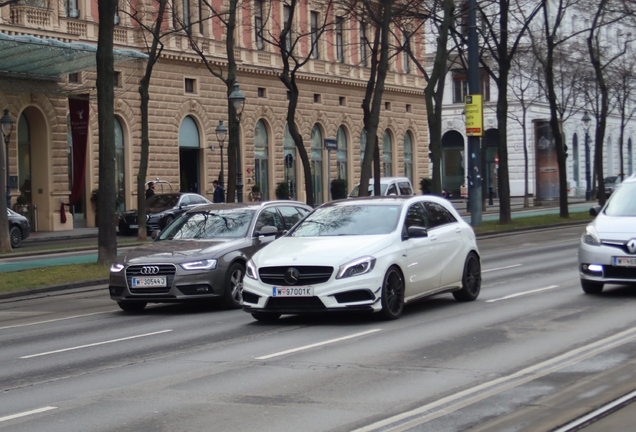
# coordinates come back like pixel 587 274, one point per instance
pixel 267 230
pixel 417 232
pixel 594 211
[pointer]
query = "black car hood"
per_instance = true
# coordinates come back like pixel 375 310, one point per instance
pixel 148 211
pixel 178 251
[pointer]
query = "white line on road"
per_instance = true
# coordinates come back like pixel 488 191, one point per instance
pixel 26 413
pixel 523 293
pixel 57 319
pixel 95 344
pixel 306 347
pixel 502 268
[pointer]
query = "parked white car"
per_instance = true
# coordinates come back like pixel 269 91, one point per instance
pixel 365 254
pixel 607 251
pixel 388 186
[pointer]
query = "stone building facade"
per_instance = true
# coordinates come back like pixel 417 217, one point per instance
pixel 186 104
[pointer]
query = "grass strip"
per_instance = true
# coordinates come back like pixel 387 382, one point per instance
pixel 46 276
pixel 532 222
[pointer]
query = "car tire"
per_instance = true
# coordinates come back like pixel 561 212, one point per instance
pixel 132 306
pixel 232 296
pixel 392 294
pixel 590 287
pixel 471 279
pixel 15 234
pixel 266 316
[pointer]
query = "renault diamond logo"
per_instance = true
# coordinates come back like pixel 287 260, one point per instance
pixel 631 246
pixel 292 276
pixel 149 270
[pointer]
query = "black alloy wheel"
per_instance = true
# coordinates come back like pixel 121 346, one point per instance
pixel 132 306
pixel 471 279
pixel 15 233
pixel 167 221
pixel 233 295
pixel 392 294
pixel 590 287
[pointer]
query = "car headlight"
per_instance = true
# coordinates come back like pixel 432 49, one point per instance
pixel 208 264
pixel 116 268
pixel 250 270
pixel 590 236
pixel 356 267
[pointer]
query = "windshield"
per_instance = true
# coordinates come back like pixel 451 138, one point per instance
pixel 622 201
pixel 162 201
pixel 349 220
pixel 611 180
pixel 209 225
pixel 354 192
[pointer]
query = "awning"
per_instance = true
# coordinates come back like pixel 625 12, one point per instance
pixel 32 57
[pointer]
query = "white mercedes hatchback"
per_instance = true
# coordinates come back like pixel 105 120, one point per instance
pixel 366 255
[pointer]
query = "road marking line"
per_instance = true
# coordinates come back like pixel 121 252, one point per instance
pixel 502 268
pixel 575 425
pixel 482 391
pixel 523 293
pixel 57 319
pixel 306 347
pixel 94 344
pixel 26 413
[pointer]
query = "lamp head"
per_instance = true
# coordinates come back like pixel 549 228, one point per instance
pixel 221 132
pixel 586 120
pixel 7 124
pixel 237 98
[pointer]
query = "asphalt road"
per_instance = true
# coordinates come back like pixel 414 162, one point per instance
pixel 532 353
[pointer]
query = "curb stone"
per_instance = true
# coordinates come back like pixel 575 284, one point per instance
pixel 53 288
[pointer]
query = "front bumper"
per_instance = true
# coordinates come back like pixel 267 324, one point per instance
pixel 596 265
pixel 354 294
pixel 182 285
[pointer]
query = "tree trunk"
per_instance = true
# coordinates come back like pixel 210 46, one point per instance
pixel 106 239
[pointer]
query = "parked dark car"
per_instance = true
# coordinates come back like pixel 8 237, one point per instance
pixel 611 183
pixel 19 228
pixel 161 209
pixel 202 255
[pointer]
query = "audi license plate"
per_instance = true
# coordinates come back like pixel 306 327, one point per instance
pixel 624 261
pixel 133 226
pixel 306 291
pixel 156 281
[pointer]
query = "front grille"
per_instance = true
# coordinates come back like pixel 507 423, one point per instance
pixel 294 303
pixel 130 219
pixel 167 270
pixel 613 272
pixel 618 244
pixel 309 275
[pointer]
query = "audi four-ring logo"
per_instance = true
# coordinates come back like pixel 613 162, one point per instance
pixel 149 270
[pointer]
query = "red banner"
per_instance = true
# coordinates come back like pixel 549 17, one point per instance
pixel 79 113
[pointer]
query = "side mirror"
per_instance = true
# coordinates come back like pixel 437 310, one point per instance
pixel 594 211
pixel 417 232
pixel 155 234
pixel 267 230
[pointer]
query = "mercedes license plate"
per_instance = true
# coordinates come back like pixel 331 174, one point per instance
pixel 156 281
pixel 133 226
pixel 305 291
pixel 625 261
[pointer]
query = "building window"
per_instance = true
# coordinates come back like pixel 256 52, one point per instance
pixel 387 106
pixel 339 40
pixel 405 53
pixel 261 150
pixel 409 109
pixel 315 53
pixel 408 156
pixel 71 9
pixel 202 17
pixel 289 156
pixel 341 153
pixel 316 163
pixel 286 23
pixel 190 85
pixel 343 101
pixel 117 79
pixel 73 78
pixel 120 175
pixel 363 143
pixel 387 154
pixel 317 98
pixel 262 92
pixel 363 45
pixel 460 87
pixel 186 15
pixel 258 26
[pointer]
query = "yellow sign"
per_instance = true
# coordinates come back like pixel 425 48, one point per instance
pixel 474 116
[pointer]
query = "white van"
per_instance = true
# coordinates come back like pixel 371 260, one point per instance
pixel 388 186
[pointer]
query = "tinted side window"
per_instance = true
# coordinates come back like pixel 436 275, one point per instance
pixel 438 215
pixel 269 217
pixel 392 190
pixel 405 188
pixel 290 215
pixel 416 216
pixel 185 200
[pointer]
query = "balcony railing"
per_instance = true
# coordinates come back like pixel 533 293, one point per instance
pixel 31 16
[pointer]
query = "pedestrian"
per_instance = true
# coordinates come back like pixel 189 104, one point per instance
pixel 151 190
pixel 219 192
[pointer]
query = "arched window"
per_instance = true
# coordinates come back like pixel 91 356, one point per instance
pixel 289 153
pixel 261 147
pixel 387 154
pixel 363 143
pixel 316 163
pixel 120 173
pixel 341 154
pixel 189 145
pixel 408 155
pixel 24 158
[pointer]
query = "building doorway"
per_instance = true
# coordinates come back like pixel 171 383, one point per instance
pixel 189 156
pixel 453 162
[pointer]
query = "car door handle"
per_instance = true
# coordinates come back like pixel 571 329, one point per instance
pixel 458 230
pixel 433 238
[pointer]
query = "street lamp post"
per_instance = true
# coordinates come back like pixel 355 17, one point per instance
pixel 7 127
pixel 237 98
pixel 586 125
pixel 221 133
